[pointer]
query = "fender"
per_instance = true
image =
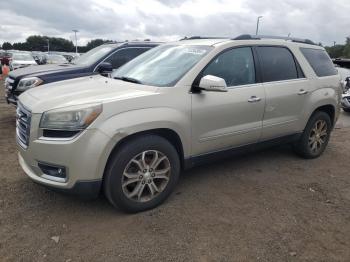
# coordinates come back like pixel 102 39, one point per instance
pixel 131 122
pixel 318 98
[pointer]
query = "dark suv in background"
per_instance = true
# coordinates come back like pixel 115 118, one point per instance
pixel 100 60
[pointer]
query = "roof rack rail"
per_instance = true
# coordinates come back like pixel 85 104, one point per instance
pixel 259 37
pixel 202 37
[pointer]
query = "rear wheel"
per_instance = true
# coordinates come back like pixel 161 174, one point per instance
pixel 142 173
pixel 346 110
pixel 315 137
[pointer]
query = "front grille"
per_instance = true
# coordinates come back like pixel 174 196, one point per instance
pixel 23 125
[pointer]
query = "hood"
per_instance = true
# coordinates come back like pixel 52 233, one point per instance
pixel 86 90
pixel 41 70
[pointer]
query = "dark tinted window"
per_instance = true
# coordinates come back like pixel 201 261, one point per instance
pixel 277 64
pixel 236 66
pixel 123 56
pixel 319 61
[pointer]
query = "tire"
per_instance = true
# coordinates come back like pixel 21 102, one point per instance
pixel 125 166
pixel 305 146
pixel 346 110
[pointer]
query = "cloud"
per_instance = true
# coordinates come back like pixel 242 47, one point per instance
pixel 320 20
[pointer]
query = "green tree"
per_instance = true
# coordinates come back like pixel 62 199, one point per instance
pixel 6 46
pixel 20 46
pixel 95 43
pixel 61 44
pixel 346 51
pixel 39 43
pixel 335 51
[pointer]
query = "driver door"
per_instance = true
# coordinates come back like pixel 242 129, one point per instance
pixel 222 120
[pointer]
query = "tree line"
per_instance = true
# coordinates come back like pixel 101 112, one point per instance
pixel 339 51
pixel 41 43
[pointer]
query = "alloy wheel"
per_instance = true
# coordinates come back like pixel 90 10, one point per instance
pixel 146 176
pixel 318 136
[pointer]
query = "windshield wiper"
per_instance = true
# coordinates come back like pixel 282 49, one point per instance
pixel 128 79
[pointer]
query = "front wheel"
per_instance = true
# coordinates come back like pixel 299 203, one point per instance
pixel 142 173
pixel 315 137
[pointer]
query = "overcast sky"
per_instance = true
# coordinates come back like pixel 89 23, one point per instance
pixel 320 20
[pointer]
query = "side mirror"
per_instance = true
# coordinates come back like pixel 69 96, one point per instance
pixel 213 83
pixel 105 68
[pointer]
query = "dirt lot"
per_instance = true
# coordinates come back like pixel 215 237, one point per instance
pixel 267 206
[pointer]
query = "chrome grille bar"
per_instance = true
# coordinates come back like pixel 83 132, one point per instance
pixel 23 117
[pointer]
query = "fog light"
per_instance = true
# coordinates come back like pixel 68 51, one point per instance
pixel 54 173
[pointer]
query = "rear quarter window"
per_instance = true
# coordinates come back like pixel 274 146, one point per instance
pixel 319 61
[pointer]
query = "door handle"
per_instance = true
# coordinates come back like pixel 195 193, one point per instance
pixel 302 92
pixel 254 99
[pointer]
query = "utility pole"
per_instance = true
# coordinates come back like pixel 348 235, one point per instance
pixel 76 41
pixel 48 45
pixel 334 42
pixel 257 25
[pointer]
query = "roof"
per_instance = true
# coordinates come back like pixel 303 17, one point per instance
pixel 202 41
pixel 247 40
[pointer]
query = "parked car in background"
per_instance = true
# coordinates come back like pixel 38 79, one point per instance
pixel 100 60
pixel 38 57
pixel 70 56
pixel 5 57
pixel 345 102
pixel 173 107
pixel 54 59
pixel 21 59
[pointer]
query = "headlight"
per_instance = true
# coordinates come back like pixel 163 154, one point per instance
pixel 29 82
pixel 71 118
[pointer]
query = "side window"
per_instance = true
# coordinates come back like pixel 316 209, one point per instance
pixel 277 64
pixel 123 56
pixel 319 61
pixel 236 66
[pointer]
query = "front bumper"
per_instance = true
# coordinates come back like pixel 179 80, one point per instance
pixel 84 189
pixel 10 97
pixel 84 158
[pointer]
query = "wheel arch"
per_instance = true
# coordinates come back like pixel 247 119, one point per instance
pixel 328 109
pixel 166 133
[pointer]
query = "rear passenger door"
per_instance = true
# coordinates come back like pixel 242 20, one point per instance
pixel 124 55
pixel 286 90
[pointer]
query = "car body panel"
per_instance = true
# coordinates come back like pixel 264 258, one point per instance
pixel 226 119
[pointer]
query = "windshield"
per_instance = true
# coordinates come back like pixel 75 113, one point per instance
pixel 93 55
pixel 22 57
pixel 163 65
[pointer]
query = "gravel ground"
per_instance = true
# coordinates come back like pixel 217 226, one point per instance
pixel 266 206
